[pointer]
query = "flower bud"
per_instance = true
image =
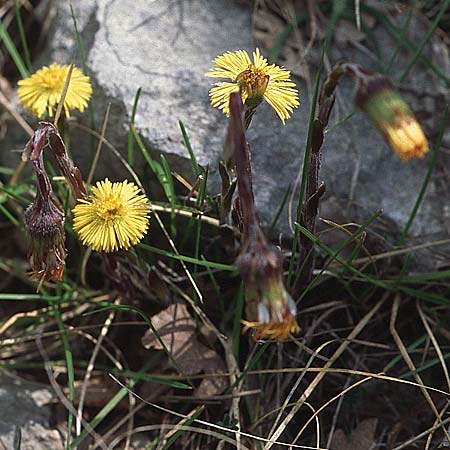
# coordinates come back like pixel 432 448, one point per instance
pixel 45 223
pixel 388 111
pixel 269 307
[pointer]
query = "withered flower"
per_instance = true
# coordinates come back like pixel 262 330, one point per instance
pixel 44 221
pixel 388 111
pixel 269 307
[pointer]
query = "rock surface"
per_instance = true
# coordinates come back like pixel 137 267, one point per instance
pixel 166 47
pixel 23 405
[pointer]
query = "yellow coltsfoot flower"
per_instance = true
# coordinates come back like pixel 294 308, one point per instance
pixel 41 92
pixel 257 80
pixel 115 216
pixel 389 112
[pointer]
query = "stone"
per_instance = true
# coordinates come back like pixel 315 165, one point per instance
pixel 166 47
pixel 25 405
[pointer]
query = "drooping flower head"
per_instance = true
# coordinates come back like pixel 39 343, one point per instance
pixel 114 216
pixel 257 80
pixel 377 97
pixel 44 221
pixel 270 310
pixel 41 92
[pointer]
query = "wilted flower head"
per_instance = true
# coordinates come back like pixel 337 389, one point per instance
pixel 388 111
pixel 41 92
pixel 256 80
pixel 44 221
pixel 114 216
pixel 270 309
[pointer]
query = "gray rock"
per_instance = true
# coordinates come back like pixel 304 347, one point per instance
pixel 166 47
pixel 24 405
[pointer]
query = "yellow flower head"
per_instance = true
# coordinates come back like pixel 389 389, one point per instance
pixel 406 137
pixel 114 216
pixel 272 330
pixel 42 91
pixel 257 80
pixel 389 112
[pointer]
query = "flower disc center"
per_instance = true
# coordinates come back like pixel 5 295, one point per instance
pixel 109 208
pixel 54 78
pixel 252 79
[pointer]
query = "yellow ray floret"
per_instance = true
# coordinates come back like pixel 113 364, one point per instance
pixel 251 77
pixel 41 92
pixel 115 216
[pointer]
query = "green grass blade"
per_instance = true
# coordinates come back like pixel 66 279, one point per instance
pixel 17 438
pixel 415 293
pixel 13 52
pixel 189 259
pixel 27 297
pixel 237 322
pixel 130 132
pixel 79 41
pixel 398 47
pixel 11 218
pixel 103 413
pixel 339 7
pixel 288 29
pixel 427 37
pixel 167 181
pixel 169 189
pixel 156 168
pixel 23 38
pixel 392 30
pixel 280 210
pixel 434 159
pixel 69 365
pixel 86 72
pixel 340 248
pixel 187 142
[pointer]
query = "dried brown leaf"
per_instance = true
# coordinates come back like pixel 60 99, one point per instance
pixel 361 438
pixel 178 332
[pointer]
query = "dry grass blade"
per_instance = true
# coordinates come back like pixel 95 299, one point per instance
pixel 435 426
pixel 63 399
pixel 409 361
pixel 164 426
pixel 233 368
pixel 401 251
pixel 296 384
pixel 435 343
pixel 180 426
pixel 27 128
pixel 336 397
pixel 358 328
pixel 16 116
pixel 63 96
pixel 91 363
pixel 213 425
pixel 99 146
pixel 407 444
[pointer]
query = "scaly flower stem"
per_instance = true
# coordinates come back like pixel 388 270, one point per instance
pixel 241 157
